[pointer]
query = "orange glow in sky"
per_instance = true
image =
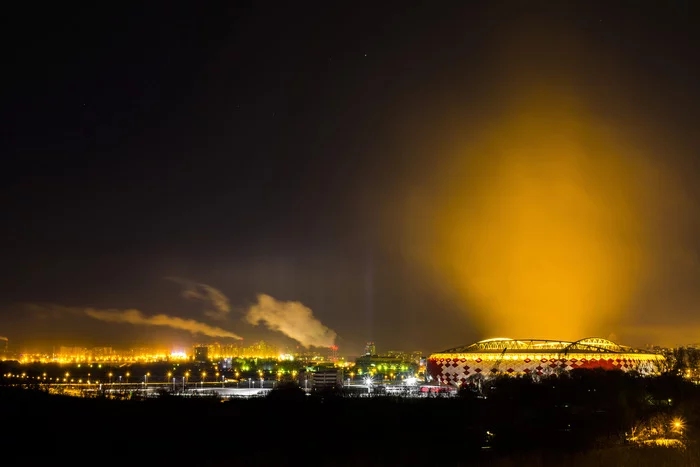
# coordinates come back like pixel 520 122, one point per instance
pixel 539 224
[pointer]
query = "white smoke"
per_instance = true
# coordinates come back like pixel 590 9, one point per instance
pixel 205 293
pixel 293 319
pixel 136 317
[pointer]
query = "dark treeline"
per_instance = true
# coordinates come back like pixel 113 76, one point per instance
pixel 580 418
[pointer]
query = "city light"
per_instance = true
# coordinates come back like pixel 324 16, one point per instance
pixel 369 381
pixel 678 424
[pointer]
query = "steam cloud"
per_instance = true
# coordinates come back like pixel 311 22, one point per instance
pixel 207 294
pixel 293 319
pixel 136 317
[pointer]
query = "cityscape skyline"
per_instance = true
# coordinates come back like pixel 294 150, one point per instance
pixel 351 233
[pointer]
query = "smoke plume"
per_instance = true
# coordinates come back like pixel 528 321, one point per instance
pixel 293 319
pixel 136 317
pixel 205 293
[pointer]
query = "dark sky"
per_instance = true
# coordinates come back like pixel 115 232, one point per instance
pixel 269 149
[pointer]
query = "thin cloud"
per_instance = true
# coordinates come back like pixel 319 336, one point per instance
pixel 205 293
pixel 137 318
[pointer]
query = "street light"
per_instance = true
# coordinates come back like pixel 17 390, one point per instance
pixel 204 376
pixel 368 382
pixel 678 424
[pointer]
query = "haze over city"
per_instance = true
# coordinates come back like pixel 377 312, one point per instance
pixel 421 179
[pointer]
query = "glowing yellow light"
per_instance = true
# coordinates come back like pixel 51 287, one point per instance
pixel 543 212
pixel 678 424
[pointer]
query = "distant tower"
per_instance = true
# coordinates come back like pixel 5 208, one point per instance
pixel 334 353
pixel 370 349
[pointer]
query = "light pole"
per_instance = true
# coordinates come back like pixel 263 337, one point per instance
pixel 204 376
pixel 249 381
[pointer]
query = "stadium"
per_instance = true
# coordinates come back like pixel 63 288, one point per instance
pixel 500 356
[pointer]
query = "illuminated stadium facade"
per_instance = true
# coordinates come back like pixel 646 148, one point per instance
pixel 501 356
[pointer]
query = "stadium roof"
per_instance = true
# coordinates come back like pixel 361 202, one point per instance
pixel 502 345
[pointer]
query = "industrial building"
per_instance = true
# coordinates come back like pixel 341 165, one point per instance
pixel 327 378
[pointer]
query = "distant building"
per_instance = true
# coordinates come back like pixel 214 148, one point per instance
pixel 370 349
pixel 230 350
pixel 226 363
pixel 201 353
pixel 327 378
pixel 102 352
pixel 260 350
pixel 5 353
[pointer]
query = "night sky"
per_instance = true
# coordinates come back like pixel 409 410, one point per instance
pixel 322 154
